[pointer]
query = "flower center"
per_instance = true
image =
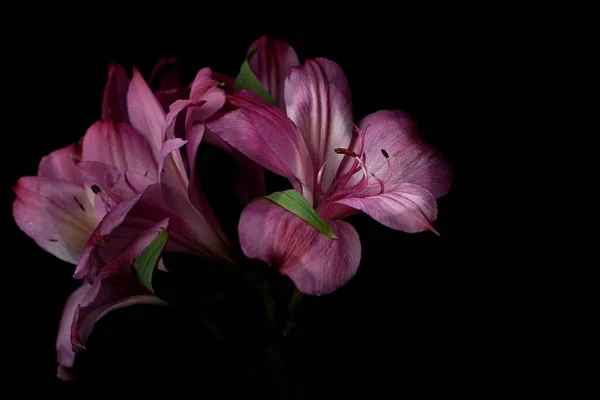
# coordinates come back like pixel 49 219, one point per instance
pixel 340 187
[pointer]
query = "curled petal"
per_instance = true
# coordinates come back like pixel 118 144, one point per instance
pixel 64 349
pixel 114 99
pixel 316 263
pixel 90 260
pixel 409 208
pixel 57 214
pixel 271 64
pixel 267 136
pixel 318 100
pixel 195 210
pixel 411 159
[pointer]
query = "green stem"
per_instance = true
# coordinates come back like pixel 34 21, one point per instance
pixel 266 294
pixel 293 307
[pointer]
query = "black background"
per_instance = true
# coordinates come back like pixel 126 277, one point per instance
pixel 419 315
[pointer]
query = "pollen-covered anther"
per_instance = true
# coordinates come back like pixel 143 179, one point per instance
pixel 346 152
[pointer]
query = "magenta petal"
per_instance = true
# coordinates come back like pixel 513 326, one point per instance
pixel 62 164
pixel 195 211
pixel 207 89
pixel 64 349
pixel 409 208
pixel 114 100
pixel 411 158
pixel 316 263
pixel 120 146
pixel 271 64
pixel 318 100
pixel 248 180
pixel 267 136
pixel 125 258
pixel 89 261
pixel 57 214
pixel 145 112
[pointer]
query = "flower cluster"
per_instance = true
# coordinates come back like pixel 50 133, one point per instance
pixel 130 189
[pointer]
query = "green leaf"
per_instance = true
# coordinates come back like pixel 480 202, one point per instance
pixel 295 203
pixel 247 80
pixel 145 263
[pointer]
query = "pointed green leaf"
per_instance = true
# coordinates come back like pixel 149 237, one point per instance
pixel 295 203
pixel 145 263
pixel 247 80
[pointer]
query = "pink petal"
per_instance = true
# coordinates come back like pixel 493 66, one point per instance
pixel 123 261
pixel 249 180
pixel 318 100
pixel 120 146
pixel 267 136
pixel 169 132
pixel 62 164
pixel 64 349
pixel 114 100
pixel 412 159
pixel 207 89
pixel 145 112
pixel 57 214
pixel 409 208
pixel 108 293
pixel 113 187
pixel 90 261
pixel 271 64
pixel 115 288
pixel 197 214
pixel 316 263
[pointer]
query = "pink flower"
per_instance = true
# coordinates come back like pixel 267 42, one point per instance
pixel 142 205
pixel 60 207
pixel 385 170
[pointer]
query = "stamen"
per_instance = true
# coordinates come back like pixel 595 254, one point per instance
pixel 385 154
pixel 345 152
pixel 381 187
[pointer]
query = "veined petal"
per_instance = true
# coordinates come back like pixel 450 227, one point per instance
pixel 207 89
pixel 169 133
pixel 412 160
pixel 62 164
pixel 408 208
pixel 316 263
pixel 318 100
pixel 90 260
pixel 57 214
pixel 271 64
pixel 145 112
pixel 64 349
pixel 249 179
pixel 116 287
pixel 267 136
pixel 119 146
pixel 113 290
pixel 197 215
pixel 114 99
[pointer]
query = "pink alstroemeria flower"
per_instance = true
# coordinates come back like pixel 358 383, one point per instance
pixel 59 208
pixel 386 170
pixel 132 223
pixel 75 188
